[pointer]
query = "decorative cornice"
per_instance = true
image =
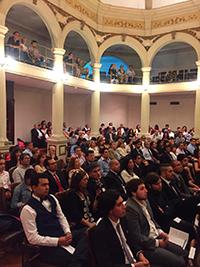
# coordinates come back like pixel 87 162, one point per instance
pixel 64 18
pixel 61 14
pixel 123 23
pixel 176 20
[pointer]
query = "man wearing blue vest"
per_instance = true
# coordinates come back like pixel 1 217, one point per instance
pixel 45 225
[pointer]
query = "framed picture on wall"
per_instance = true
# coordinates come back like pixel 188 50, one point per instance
pixel 62 150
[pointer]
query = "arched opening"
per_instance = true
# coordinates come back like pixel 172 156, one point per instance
pixel 121 64
pixel 77 56
pixel 31 41
pixel 174 62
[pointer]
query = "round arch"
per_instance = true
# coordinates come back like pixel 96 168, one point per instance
pixel 131 42
pixel 41 9
pixel 168 39
pixel 85 33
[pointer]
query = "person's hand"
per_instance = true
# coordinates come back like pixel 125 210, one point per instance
pixel 8 195
pixel 164 236
pixel 62 241
pixel 140 264
pixel 144 260
pixel 68 237
pixel 65 240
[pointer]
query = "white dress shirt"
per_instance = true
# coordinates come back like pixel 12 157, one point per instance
pixel 28 219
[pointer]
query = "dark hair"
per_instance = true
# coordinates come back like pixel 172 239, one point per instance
pixel 107 201
pixel 76 178
pixel 34 41
pixel 23 155
pixel 101 151
pixel 196 153
pixel 35 178
pixel 180 157
pixel 46 162
pixel 29 174
pixel 132 186
pixel 151 178
pixel 39 157
pixel 92 166
pixel 71 164
pixel 124 163
pixel 88 152
pixel 15 32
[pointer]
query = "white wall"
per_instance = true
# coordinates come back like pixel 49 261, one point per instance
pixel 32 105
pixel 120 109
pixel 76 110
pixel 179 115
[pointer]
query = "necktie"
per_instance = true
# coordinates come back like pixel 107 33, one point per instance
pixel 127 253
pixel 57 180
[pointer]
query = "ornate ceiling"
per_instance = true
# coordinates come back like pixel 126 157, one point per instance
pixel 142 4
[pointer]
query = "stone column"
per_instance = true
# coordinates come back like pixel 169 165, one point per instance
pixel 3 114
pixel 145 101
pixel 95 101
pixel 58 139
pixel 197 104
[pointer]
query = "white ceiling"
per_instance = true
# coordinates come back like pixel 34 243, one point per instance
pixel 141 3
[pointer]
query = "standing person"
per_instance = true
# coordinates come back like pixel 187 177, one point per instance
pixel 110 240
pixel 45 225
pixel 146 233
pixel 14 45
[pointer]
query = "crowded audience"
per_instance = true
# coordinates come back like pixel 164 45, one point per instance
pixel 158 176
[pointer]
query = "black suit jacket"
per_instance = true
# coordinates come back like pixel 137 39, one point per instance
pixel 106 246
pixel 34 137
pixel 170 195
pixel 115 182
pixel 53 188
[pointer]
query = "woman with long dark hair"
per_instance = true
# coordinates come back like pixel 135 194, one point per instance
pixel 76 203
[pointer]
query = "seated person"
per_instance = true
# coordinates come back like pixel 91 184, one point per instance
pixel 13 45
pixel 57 180
pixel 146 233
pixel 45 225
pixel 109 240
pixel 19 172
pixel 4 179
pixel 127 167
pixel 22 192
pixel 34 53
pixel 163 212
pixel 76 203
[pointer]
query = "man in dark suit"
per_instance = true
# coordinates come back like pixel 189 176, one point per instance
pixel 145 233
pixel 57 183
pixel 109 240
pixel 185 206
pixel 113 179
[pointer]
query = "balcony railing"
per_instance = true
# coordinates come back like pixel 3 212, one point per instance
pixel 46 60
pixel 175 76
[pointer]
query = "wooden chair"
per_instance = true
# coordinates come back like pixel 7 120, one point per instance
pixel 31 256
